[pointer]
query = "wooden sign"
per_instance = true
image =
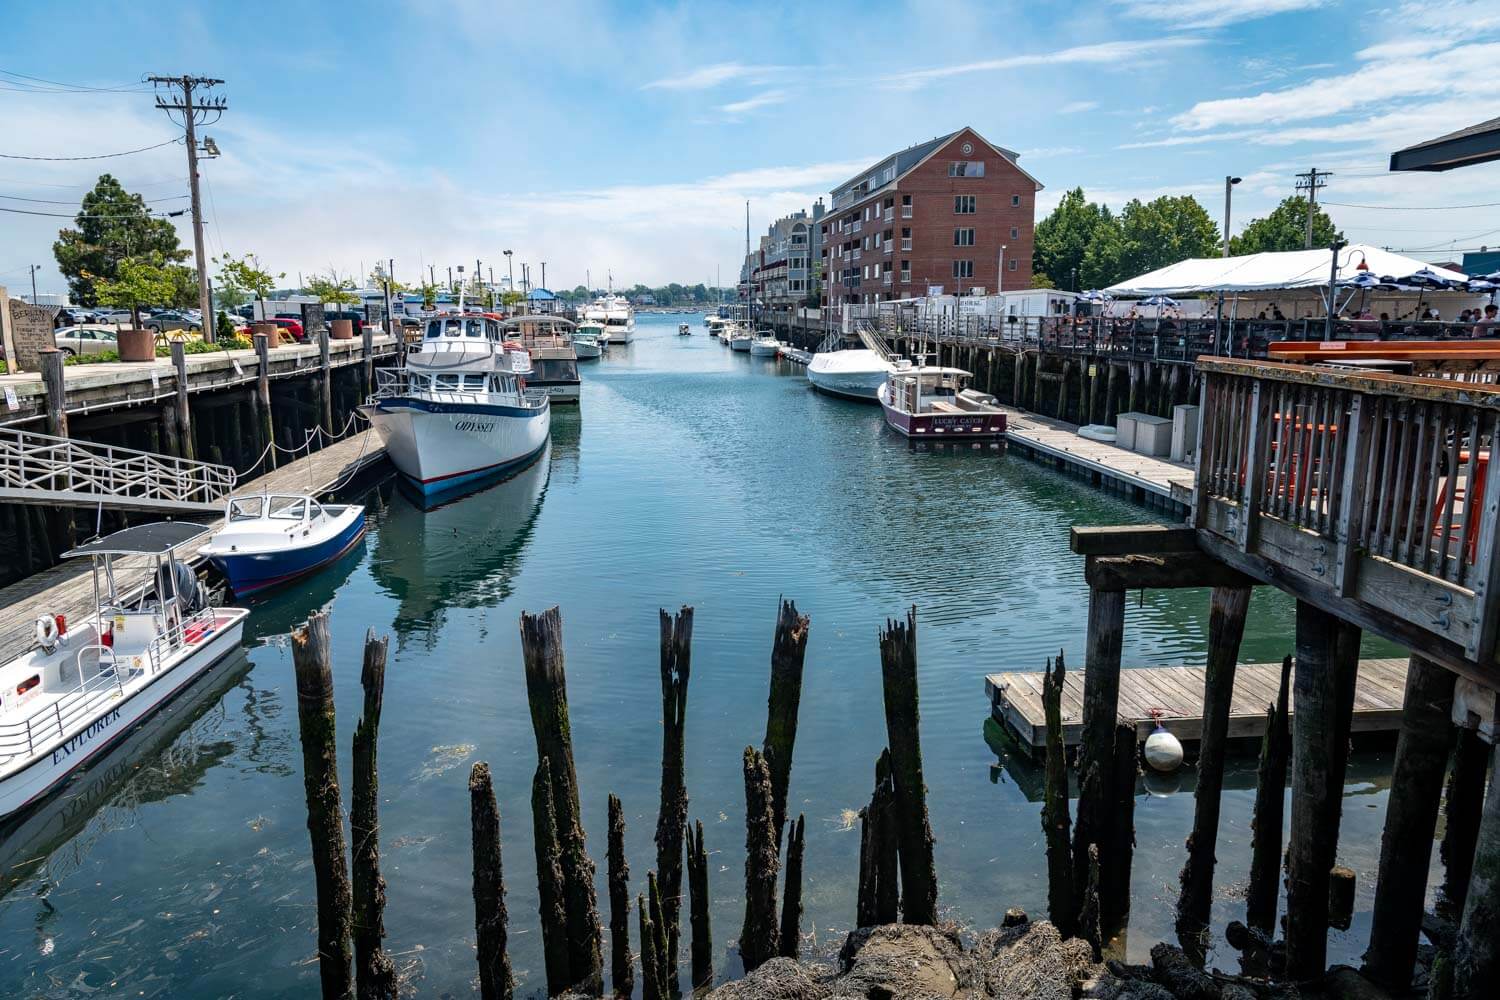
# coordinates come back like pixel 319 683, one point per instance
pixel 31 332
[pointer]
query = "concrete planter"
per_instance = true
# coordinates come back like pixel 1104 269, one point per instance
pixel 270 331
pixel 137 345
pixel 342 329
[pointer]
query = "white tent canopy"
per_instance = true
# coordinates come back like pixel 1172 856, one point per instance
pixel 1267 271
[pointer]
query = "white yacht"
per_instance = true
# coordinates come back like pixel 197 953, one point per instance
pixel 587 340
pixel 616 314
pixel 740 338
pixel 716 326
pixel 854 374
pixel 84 685
pixel 461 409
pixel 765 345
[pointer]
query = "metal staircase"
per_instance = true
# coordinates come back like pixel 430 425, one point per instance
pixel 875 342
pixel 55 471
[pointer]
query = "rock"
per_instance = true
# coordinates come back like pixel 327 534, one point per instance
pixel 1014 917
pixel 1031 961
pixel 1112 987
pixel 778 979
pixel 1178 974
pixel 902 960
pixel 1345 983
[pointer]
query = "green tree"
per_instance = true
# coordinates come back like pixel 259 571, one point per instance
pixel 247 273
pixel 184 287
pixel 1063 237
pixel 332 289
pixel 1285 229
pixel 113 224
pixel 138 281
pixel 429 296
pixel 1164 231
pixel 1103 259
pixel 511 299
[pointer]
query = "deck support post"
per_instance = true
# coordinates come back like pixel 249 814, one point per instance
pixel 1062 391
pixel 1227 608
pixel 1101 698
pixel 367 335
pixel 1476 953
pixel 1462 808
pixel 263 396
pixel 1270 807
pixel 325 384
pixel 1327 659
pixel 1018 360
pixel 184 412
pixel 1410 821
pixel 1036 384
pixel 56 390
pixel 1109 394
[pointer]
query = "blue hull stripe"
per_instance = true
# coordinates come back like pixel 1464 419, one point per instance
pixel 248 574
pixel 446 484
pixel 429 406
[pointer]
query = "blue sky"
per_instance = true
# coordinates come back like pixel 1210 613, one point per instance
pixel 626 137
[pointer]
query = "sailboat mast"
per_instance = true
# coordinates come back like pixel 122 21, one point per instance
pixel 749 274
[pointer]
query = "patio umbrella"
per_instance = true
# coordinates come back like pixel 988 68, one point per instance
pixel 1160 302
pixel 1096 295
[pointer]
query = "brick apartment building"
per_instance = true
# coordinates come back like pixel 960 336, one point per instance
pixel 934 214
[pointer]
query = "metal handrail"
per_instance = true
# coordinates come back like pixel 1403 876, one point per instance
pixel 44 464
pixel 68 706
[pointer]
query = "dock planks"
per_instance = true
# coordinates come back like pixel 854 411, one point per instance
pixel 1059 440
pixel 68 588
pixel 1016 700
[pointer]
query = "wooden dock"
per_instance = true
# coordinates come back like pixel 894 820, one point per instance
pixel 1177 693
pixel 68 587
pixel 1058 442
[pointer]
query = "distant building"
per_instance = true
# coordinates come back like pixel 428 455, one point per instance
pixel 788 263
pixel 933 216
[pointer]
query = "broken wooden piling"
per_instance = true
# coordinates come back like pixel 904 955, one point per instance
pixel 898 665
pixel 1101 697
pixel 879 896
pixel 1118 851
pixel 495 979
pixel 1463 804
pixel 788 652
pixel 1270 808
pixel 313 664
pixel 660 982
pixel 791 896
pixel 758 935
pixel 552 907
pixel 697 869
pixel 652 987
pixel 375 973
pixel 621 965
pixel 1056 821
pixel 546 690
pixel 671 817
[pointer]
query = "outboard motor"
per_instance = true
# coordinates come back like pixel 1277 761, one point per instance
pixel 177 576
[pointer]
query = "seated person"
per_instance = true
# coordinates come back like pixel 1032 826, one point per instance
pixel 1489 326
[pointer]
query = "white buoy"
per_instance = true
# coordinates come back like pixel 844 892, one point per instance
pixel 1163 751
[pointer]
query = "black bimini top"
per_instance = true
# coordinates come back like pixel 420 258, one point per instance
pixel 157 538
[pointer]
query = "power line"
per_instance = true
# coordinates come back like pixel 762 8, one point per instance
pixel 1414 208
pixel 70 201
pixel 70 88
pixel 1312 182
pixel 70 215
pixel 101 156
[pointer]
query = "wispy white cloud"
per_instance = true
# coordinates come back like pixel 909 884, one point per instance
pixel 1211 13
pixel 1121 54
pixel 708 77
pixel 762 100
pixel 1076 107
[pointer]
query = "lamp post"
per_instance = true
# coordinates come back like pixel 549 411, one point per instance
pixel 511 267
pixel 1229 183
pixel 1333 284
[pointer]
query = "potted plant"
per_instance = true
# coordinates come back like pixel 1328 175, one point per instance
pixel 138 280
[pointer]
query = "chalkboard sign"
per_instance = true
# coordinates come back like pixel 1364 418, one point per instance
pixel 374 312
pixel 312 319
pixel 31 326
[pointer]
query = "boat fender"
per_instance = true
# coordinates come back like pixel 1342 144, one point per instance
pixel 46 632
pixel 1163 750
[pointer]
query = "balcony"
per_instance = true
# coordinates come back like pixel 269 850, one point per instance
pixel 858 225
pixel 906 211
pixel 906 243
pixel 890 214
pixel 889 246
pixel 888 277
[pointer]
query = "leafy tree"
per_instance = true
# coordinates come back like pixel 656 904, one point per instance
pixel 1164 231
pixel 1103 259
pixel 249 274
pixel 429 296
pixel 1285 229
pixel 1063 237
pixel 511 299
pixel 184 287
pixel 379 279
pixel 138 281
pixel 113 224
pixel 332 289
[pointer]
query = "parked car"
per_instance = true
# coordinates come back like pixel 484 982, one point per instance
pixel 72 316
pixel 86 338
pixel 171 319
pixel 291 326
pixel 357 317
pixel 113 316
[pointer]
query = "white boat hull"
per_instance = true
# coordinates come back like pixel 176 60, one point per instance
pixel 765 350
pixel 739 344
pixel 837 376
pixel 586 350
pixel 112 720
pixel 441 446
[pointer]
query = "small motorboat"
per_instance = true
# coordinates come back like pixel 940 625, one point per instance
pixel 273 538
pixel 683 330
pixel 588 340
pixel 923 402
pixel 740 339
pixel 853 374
pixel 765 345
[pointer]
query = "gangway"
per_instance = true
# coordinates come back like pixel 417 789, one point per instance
pixel 875 342
pixel 56 471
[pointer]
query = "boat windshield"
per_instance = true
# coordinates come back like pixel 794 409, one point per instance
pixel 288 508
pixel 246 508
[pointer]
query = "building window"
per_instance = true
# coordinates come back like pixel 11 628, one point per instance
pixel 1010 265
pixel 1015 233
pixel 1015 201
pixel 963 237
pixel 964 268
pixel 963 204
pixel 966 168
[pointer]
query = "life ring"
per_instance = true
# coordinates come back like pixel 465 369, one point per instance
pixel 46 632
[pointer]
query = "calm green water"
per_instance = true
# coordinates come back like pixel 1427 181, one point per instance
pixel 692 475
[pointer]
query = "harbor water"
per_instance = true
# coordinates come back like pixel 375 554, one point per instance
pixel 179 865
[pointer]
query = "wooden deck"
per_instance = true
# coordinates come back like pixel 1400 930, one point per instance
pixel 1059 441
pixel 1177 692
pixel 68 587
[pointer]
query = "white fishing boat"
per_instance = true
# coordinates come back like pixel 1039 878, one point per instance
pixel 716 326
pixel 617 316
pixel 853 374
pixel 740 338
pixel 922 402
pixel 765 345
pixel 85 685
pixel 587 340
pixel 460 410
pixel 269 539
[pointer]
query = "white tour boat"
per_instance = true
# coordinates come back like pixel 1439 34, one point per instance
pixel 765 345
pixel 548 341
pixel 853 374
pixel 933 403
pixel 86 684
pixel 460 410
pixel 588 340
pixel 617 316
pixel 269 539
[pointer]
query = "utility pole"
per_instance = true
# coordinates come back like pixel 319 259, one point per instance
pixel 33 283
pixel 195 112
pixel 1312 182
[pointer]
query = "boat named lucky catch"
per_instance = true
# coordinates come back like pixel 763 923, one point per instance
pixel 460 410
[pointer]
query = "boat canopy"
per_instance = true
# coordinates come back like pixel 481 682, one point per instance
pixel 1269 271
pixel 154 539
pixel 515 322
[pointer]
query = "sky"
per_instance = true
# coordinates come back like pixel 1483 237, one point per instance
pixel 622 139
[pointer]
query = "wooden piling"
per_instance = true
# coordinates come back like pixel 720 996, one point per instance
pixel 655 943
pixel 1410 821
pixel 1101 697
pixel 879 897
pixel 1476 953
pixel 758 935
pixel 1117 852
pixel 651 985
pixel 898 667
pixel 325 384
pixel 55 387
pixel 1088 913
pixel 367 336
pixel 788 651
pixel 621 965
pixel 375 973
pixel 1270 807
pixel 703 948
pixel 1463 805
pixel 495 979
pixel 1056 821
pixel 184 411
pixel 1340 897
pixel 1324 670
pixel 313 664
pixel 263 397
pixel 791 896
pixel 551 895
pixel 546 691
pixel 1227 608
pixel 671 817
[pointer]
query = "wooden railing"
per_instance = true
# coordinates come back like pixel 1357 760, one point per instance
pixel 1371 485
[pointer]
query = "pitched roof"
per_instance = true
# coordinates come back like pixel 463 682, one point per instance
pixel 908 159
pixel 1466 147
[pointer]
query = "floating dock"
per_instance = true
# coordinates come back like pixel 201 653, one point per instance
pixel 1177 694
pixel 68 587
pixel 1168 483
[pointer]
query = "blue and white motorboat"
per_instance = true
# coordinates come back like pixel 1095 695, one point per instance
pixel 460 411
pixel 273 538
